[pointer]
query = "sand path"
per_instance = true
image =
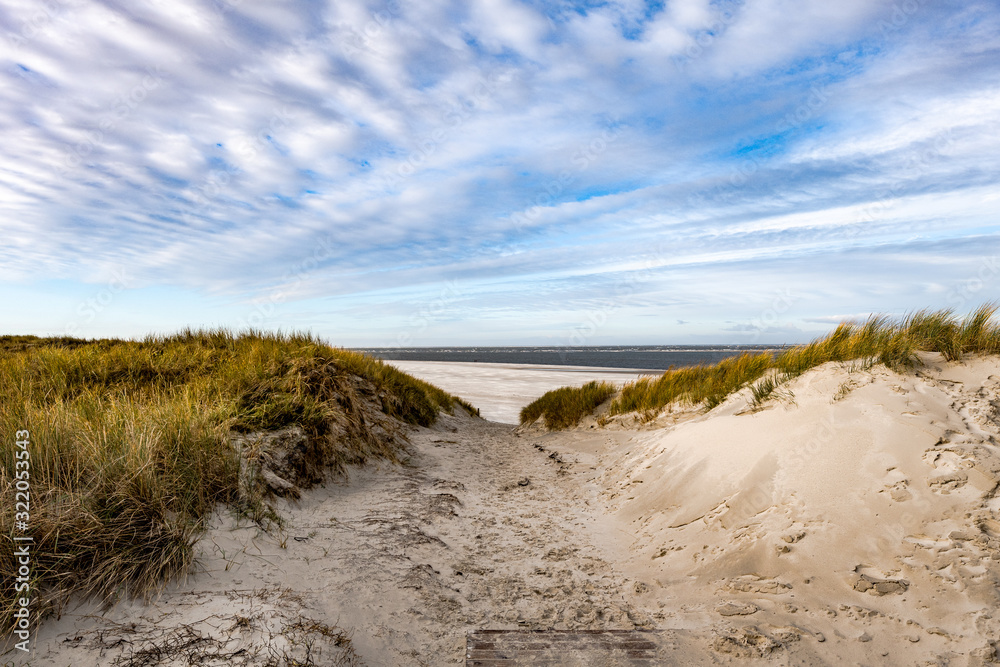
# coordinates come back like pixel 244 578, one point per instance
pixel 479 528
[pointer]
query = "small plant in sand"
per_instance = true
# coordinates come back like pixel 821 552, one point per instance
pixel 769 388
pixel 844 390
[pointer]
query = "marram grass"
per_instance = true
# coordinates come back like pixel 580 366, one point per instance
pixel 130 444
pixel 565 407
pixel 882 340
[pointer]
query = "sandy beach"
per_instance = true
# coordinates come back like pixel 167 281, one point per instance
pixel 501 390
pixel 854 521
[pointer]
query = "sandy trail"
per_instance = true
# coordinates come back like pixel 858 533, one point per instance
pixel 476 531
pixel 480 528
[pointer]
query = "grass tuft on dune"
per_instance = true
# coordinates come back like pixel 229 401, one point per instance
pixel 131 443
pixel 565 407
pixel 879 340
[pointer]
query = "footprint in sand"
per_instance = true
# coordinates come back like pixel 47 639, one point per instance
pixel 951 470
pixel 877 584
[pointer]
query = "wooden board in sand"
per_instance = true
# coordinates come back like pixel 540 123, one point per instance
pixel 486 648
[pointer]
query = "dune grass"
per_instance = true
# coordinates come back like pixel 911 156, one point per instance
pixel 880 339
pixel 565 407
pixel 767 388
pixel 131 448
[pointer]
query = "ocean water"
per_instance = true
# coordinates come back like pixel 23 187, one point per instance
pixel 643 357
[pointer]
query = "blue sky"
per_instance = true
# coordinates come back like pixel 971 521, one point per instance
pixel 496 171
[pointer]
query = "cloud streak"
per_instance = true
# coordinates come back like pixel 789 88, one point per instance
pixel 344 162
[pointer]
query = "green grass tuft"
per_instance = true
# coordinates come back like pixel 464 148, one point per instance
pixel 565 407
pixel 766 389
pixel 131 442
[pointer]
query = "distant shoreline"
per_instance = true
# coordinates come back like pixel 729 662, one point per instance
pixel 635 358
pixel 541 368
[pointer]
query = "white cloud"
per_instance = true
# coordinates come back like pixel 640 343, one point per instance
pixel 411 133
pixel 767 33
pixel 500 24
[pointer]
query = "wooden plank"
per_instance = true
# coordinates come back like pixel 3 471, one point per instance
pixel 488 648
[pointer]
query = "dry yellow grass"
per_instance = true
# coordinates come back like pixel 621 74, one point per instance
pixel 878 340
pixel 130 447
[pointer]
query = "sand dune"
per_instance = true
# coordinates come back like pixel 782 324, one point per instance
pixel 861 508
pixel 853 521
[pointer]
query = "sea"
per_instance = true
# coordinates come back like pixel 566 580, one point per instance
pixel 640 357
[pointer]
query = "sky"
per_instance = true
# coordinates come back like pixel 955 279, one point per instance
pixel 496 172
